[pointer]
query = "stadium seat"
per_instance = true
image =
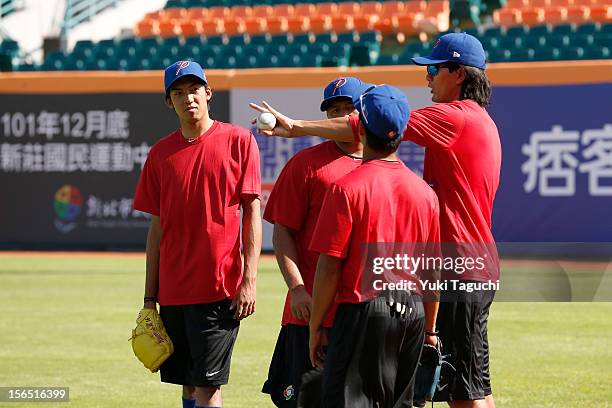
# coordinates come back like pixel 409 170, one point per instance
pixel 571 53
pixel 557 41
pixel 303 10
pixel 391 8
pixel 277 25
pixel 348 37
pixel 578 14
pixel 546 54
pixel 534 41
pixel 506 17
pixel 341 23
pixel 517 31
pixel 364 22
pixel 262 39
pixel 326 9
pixel 146 28
pixel 532 16
pixel 349 8
pixel 263 11
pixel 298 24
pixel 542 29
pixel 563 29
pixel 392 59
pixel 190 27
pixel 498 55
pixel 319 24
pixel 597 53
pixel 601 13
pixel 555 15
pixel 522 55
pixel 584 41
pixel 587 28
pixel 241 12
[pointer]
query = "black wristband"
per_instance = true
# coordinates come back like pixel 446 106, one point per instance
pixel 150 299
pixel 434 333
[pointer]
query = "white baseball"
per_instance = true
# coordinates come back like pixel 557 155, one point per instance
pixel 266 121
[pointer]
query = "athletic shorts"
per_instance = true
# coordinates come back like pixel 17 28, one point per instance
pixel 290 360
pixel 462 323
pixel 373 354
pixel 203 336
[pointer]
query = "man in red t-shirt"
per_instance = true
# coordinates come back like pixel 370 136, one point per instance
pixel 293 208
pixel 377 336
pixel 194 184
pixel 462 164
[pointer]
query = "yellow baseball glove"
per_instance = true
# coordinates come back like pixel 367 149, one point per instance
pixel 150 342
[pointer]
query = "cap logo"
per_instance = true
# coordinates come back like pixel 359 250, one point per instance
pixel 181 65
pixel 391 134
pixel 456 54
pixel 338 84
pixel 437 43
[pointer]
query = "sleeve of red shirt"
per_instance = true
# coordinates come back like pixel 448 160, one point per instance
pixel 251 173
pixel 332 234
pixel 288 201
pixel 147 197
pixel 435 126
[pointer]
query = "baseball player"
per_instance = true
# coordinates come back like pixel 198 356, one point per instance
pixel 377 336
pixel 194 183
pixel 462 163
pixel 293 208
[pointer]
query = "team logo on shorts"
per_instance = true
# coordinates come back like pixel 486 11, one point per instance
pixel 289 392
pixel 181 65
pixel 339 84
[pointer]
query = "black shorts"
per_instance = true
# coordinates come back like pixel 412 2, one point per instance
pixel 290 360
pixel 203 336
pixel 462 323
pixel 373 354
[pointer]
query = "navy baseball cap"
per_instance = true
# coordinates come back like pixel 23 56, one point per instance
pixel 384 111
pixel 181 68
pixel 344 87
pixel 460 48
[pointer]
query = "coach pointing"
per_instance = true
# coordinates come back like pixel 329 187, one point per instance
pixel 462 164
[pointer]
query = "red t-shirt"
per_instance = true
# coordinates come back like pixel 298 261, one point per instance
pixel 379 202
pixel 196 188
pixel 462 164
pixel 296 201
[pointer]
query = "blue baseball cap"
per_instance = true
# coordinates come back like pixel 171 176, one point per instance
pixel 181 68
pixel 384 111
pixel 344 87
pixel 460 48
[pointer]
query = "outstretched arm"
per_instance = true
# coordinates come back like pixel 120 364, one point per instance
pixel 337 129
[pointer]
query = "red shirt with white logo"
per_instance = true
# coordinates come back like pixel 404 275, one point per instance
pixel 196 189
pixel 379 202
pixel 296 201
pixel 462 164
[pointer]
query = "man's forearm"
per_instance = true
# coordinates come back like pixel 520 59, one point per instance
pixel 251 238
pixel 431 313
pixel 152 265
pixel 324 289
pixel 286 255
pixel 337 129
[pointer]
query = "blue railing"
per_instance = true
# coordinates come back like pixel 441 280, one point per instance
pixel 9 6
pixel 78 11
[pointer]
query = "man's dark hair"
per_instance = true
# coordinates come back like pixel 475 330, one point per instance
pixel 476 86
pixel 380 145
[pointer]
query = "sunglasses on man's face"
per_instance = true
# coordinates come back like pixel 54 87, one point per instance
pixel 433 70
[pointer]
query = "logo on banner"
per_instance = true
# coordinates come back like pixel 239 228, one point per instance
pixel 67 205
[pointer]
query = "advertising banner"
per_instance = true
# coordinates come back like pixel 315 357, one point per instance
pixel 556 181
pixel 69 165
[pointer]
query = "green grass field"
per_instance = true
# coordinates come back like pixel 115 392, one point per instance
pixel 66 321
